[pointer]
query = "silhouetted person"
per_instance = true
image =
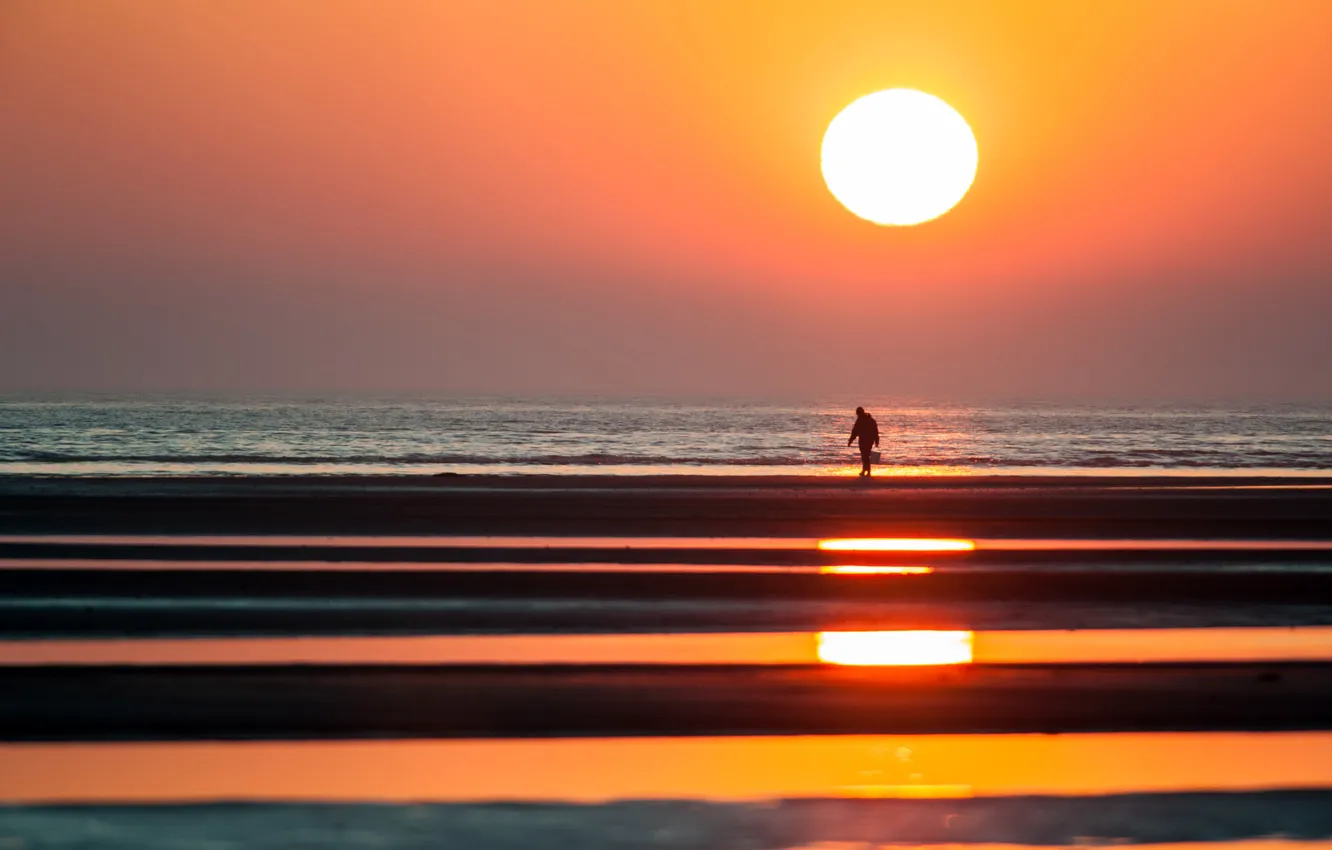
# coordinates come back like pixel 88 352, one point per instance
pixel 867 431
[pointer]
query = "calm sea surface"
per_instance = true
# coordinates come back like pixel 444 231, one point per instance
pixel 178 435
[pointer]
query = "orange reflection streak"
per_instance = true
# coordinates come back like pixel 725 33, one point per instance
pixel 859 570
pixel 598 770
pixel 897 544
pixel 1024 646
pixel 896 649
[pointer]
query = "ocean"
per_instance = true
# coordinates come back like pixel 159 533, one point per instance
pixel 193 435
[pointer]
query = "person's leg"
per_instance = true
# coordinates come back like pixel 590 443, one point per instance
pixel 865 459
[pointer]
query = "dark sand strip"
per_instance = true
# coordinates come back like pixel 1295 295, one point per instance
pixel 1018 586
pixel 1295 815
pixel 439 551
pixel 81 618
pixel 1295 508
pixel 49 602
pixel 309 702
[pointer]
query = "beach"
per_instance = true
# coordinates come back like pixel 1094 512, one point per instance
pixel 271 624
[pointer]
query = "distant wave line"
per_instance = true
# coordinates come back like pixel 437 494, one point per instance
pixel 442 459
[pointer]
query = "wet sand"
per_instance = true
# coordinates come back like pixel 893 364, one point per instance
pixel 1014 588
pixel 701 506
pixel 57 585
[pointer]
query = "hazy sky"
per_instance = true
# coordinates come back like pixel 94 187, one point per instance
pixel 560 196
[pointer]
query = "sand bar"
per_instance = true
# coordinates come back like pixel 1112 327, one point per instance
pixel 482 701
pixel 970 507
pixel 108 603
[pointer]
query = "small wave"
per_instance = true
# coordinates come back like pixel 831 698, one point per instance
pixel 35 455
pixel 405 459
pixel 1138 459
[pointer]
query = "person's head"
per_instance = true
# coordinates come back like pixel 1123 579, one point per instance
pixel 860 411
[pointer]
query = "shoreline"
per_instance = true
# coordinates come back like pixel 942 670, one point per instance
pixel 112 469
pixel 841 477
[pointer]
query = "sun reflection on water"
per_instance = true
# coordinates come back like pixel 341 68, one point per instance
pixel 896 544
pixel 895 649
pixel 862 570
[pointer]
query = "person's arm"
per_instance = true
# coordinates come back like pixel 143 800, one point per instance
pixel 876 435
pixel 854 431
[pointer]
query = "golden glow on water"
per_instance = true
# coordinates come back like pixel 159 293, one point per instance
pixel 597 770
pixel 861 570
pixel 895 649
pixel 896 544
pixel 1132 544
pixel 1082 646
pixel 754 648
pixel 785 544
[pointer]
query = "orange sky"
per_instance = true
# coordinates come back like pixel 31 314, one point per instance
pixel 626 197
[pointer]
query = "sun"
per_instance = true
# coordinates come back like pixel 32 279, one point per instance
pixel 899 157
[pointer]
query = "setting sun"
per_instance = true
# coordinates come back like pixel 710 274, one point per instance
pixel 899 157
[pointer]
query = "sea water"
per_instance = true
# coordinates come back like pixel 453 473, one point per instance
pixel 192 435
